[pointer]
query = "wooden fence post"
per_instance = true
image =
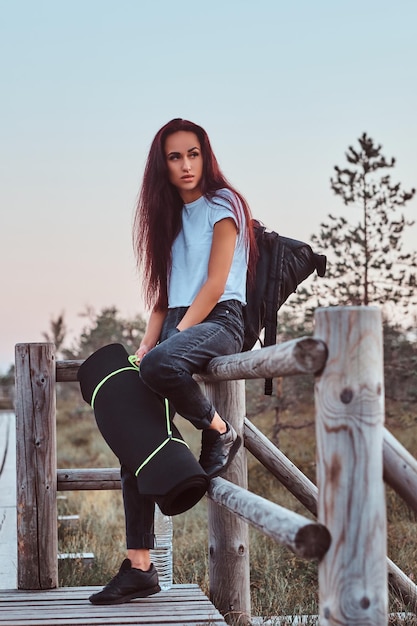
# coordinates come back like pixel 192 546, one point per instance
pixel 229 535
pixel 350 414
pixel 36 466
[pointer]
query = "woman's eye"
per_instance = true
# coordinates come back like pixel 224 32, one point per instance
pixel 194 154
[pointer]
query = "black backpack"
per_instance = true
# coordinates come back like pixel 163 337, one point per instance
pixel 282 265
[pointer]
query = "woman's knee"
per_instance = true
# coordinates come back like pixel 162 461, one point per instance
pixel 148 368
pixel 155 367
pixel 159 370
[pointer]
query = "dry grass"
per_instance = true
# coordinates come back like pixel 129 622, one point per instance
pixel 281 583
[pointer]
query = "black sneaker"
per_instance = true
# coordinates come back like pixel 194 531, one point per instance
pixel 218 450
pixel 128 583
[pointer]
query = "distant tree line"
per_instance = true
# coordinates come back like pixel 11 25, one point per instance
pixel 107 326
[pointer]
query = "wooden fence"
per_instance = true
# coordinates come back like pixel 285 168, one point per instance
pixel 354 454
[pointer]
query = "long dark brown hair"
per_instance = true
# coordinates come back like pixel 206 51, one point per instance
pixel 157 218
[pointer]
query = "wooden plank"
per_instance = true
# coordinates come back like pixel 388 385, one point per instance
pixel 229 565
pixel 8 534
pixel 36 466
pixel 7 459
pixel 304 537
pixel 280 466
pixel 68 522
pixel 305 355
pixel 66 371
pixel 180 590
pixel 353 580
pixel 184 605
pixel 403 587
pixel 307 493
pixel 88 478
pixel 8 548
pixel 400 470
pixel 85 558
pixel 112 618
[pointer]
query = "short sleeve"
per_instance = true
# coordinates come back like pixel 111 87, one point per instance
pixel 221 208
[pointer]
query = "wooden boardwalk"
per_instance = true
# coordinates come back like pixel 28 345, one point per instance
pixel 8 533
pixel 183 605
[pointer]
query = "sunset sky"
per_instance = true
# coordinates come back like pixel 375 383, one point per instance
pixel 282 88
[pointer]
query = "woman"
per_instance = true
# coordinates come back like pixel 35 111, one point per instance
pixel 192 237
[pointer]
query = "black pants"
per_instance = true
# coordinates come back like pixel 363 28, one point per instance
pixel 168 370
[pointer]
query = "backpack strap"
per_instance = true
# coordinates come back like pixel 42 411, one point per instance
pixel 272 298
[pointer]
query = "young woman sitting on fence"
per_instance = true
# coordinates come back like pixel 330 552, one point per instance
pixel 194 243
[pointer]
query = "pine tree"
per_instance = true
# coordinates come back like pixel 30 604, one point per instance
pixel 104 328
pixel 366 261
pixel 58 332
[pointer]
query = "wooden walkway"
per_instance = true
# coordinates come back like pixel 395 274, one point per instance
pixel 183 605
pixel 8 534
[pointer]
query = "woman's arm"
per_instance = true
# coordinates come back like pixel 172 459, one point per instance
pixel 220 262
pixel 152 333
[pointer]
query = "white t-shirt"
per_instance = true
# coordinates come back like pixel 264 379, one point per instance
pixel 191 251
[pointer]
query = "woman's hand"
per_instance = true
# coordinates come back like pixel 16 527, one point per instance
pixel 153 330
pixel 141 351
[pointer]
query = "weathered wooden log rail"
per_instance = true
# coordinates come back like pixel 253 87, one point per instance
pixel 354 453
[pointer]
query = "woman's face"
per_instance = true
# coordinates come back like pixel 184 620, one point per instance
pixel 185 164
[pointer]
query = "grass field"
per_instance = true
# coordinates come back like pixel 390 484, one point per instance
pixel 281 583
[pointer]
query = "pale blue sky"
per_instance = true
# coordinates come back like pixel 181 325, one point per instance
pixel 282 88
